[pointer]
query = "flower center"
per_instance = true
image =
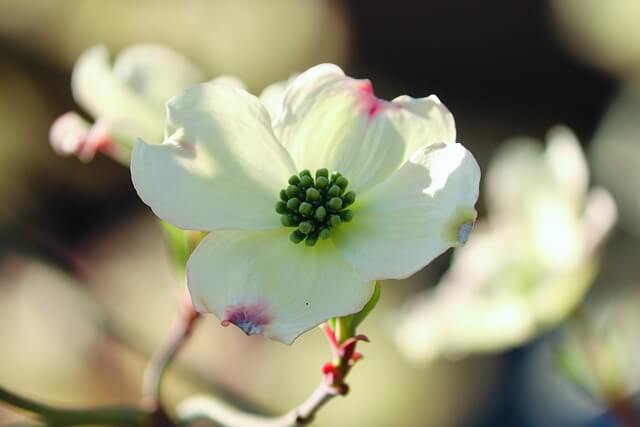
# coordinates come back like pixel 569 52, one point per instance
pixel 315 206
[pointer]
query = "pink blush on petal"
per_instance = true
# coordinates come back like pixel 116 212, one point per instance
pixel 371 104
pixel 250 318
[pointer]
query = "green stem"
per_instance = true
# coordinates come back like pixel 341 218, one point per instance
pixel 343 330
pixel 116 415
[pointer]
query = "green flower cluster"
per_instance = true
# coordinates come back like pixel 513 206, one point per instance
pixel 315 206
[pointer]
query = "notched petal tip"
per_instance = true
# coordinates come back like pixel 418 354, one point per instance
pixel 462 226
pixel 250 318
pixel 464 231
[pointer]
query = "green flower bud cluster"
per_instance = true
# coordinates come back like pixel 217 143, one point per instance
pixel 315 206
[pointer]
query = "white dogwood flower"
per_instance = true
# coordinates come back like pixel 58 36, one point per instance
pixel 306 214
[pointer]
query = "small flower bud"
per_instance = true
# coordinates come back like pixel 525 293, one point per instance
pixel 346 215
pixel 335 220
pixel 306 209
pixel 335 203
pixel 320 213
pixel 324 234
pixel 313 195
pixel 288 220
pixel 281 207
pixel 296 236
pixel 294 180
pixel 283 196
pixel 322 182
pixel 306 181
pixel 292 191
pixel 324 172
pixel 342 182
pixel 293 204
pixel 305 227
pixel 348 198
pixel 334 191
pixel 311 240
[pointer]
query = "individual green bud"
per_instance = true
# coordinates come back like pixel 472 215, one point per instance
pixel 334 176
pixel 293 204
pixel 288 221
pixel 321 213
pixel 335 220
pixel 342 182
pixel 294 180
pixel 334 191
pixel 346 215
pixel 305 227
pixel 292 191
pixel 322 182
pixel 306 209
pixel 311 240
pixel 305 172
pixel 281 207
pixel 335 203
pixel 306 181
pixel 313 195
pixel 324 233
pixel 348 198
pixel 297 236
pixel 322 172
pixel 283 196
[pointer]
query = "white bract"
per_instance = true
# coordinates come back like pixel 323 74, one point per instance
pixel 525 268
pixel 306 214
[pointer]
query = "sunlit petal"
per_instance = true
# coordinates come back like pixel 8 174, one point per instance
pixel 415 215
pixel 336 122
pixel 220 166
pixel 264 284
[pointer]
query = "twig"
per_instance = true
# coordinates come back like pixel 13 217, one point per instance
pixel 121 416
pixel 197 408
pixel 344 357
pixel 160 361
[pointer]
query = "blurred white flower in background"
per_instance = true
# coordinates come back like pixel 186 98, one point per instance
pixel 599 349
pixel 126 99
pixel 527 266
pixel 591 366
pixel 615 155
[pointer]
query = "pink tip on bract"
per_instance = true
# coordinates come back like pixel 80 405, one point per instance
pixel 250 318
pixel 68 134
pixel 371 104
pixel 367 87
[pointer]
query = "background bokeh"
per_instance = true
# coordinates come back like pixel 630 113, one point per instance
pixel 86 287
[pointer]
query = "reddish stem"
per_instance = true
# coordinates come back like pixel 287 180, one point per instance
pixel 182 330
